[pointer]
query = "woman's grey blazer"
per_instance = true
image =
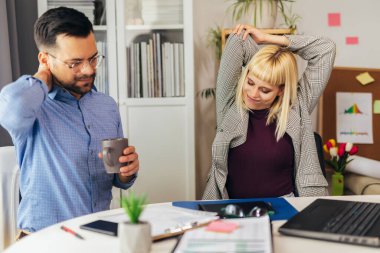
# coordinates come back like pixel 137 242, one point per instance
pixel 232 126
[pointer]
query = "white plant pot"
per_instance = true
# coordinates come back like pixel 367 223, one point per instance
pixel 134 238
pixel 267 19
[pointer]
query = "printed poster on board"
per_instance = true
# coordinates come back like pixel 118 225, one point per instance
pixel 354 117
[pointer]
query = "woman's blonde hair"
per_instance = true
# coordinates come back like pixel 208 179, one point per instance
pixel 275 65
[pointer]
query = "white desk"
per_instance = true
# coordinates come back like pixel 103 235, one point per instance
pixel 53 239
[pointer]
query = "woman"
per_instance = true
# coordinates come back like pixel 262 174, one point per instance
pixel 264 145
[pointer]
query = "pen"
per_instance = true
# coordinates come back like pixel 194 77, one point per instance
pixel 66 229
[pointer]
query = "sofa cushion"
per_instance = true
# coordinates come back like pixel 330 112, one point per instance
pixel 362 185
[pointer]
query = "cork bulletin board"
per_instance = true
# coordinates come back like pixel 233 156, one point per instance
pixel 343 80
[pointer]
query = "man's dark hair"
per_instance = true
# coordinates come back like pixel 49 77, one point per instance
pixel 58 21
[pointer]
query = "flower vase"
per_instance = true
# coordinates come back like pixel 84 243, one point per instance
pixel 337 184
pixel 135 237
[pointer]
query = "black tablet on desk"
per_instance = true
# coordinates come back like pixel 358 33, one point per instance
pixel 101 226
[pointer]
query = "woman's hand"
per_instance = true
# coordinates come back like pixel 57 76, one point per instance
pixel 257 35
pixel 261 37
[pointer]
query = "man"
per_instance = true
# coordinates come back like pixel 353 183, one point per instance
pixel 57 120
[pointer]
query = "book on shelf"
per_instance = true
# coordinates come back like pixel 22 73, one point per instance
pixel 137 70
pixel 181 70
pixel 144 69
pixel 150 69
pixel 129 71
pixel 159 65
pixel 101 80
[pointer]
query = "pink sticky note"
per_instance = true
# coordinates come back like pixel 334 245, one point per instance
pixel 222 226
pixel 352 40
pixel 334 19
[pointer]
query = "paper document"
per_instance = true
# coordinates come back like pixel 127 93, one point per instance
pixel 365 78
pixel 252 235
pixel 376 107
pixel 168 220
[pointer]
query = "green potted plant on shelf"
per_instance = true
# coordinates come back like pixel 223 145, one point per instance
pixel 134 235
pixel 260 13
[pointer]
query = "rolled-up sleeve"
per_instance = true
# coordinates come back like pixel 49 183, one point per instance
pixel 20 102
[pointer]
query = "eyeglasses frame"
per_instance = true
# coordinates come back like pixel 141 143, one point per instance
pixel 72 66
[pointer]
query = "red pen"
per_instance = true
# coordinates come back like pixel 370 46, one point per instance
pixel 66 229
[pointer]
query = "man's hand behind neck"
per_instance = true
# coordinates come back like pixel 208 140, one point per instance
pixel 44 75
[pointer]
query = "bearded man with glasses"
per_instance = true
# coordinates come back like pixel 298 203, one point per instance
pixel 57 120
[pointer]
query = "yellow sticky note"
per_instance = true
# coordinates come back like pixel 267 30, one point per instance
pixel 376 107
pixel 365 78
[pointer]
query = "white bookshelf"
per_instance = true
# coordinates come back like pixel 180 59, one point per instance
pixel 161 128
pixel 154 27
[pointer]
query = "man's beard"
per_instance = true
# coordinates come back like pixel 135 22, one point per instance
pixel 73 88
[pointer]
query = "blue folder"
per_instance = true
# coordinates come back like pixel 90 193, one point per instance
pixel 283 210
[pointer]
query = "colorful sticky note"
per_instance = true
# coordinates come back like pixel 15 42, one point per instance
pixel 376 107
pixel 222 226
pixel 334 19
pixel 352 40
pixel 365 78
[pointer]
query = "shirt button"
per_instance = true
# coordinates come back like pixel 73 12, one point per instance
pixel 221 130
pixel 91 152
pixel 94 204
pixel 89 126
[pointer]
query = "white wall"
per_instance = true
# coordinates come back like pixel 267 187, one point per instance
pixel 207 14
pixel 358 18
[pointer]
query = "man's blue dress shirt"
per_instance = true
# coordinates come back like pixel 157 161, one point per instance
pixel 57 140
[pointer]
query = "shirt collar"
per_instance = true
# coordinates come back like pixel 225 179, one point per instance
pixel 58 93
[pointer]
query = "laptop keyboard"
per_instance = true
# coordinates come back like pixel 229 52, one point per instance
pixel 356 218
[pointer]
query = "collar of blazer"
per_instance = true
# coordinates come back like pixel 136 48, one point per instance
pixel 234 122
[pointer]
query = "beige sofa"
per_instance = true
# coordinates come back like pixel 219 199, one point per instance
pixel 361 185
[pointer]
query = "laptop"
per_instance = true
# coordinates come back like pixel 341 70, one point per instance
pixel 337 220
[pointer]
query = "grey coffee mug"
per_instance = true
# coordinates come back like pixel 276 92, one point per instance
pixel 112 150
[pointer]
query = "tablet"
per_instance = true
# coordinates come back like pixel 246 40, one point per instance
pixel 101 226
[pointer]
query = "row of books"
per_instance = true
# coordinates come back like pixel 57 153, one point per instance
pixel 162 12
pixel 93 9
pixel 101 80
pixel 155 69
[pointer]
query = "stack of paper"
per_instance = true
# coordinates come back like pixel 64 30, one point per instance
pixel 162 12
pixel 253 235
pixel 85 6
pixel 168 220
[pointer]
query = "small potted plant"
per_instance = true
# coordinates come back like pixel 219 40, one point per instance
pixel 134 235
pixel 260 13
pixel 339 159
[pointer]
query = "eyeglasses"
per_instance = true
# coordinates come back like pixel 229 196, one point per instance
pixel 78 66
pixel 235 211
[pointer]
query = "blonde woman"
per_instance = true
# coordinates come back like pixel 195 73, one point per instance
pixel 264 145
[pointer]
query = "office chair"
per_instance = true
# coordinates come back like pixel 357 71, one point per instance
pixel 9 196
pixel 319 145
